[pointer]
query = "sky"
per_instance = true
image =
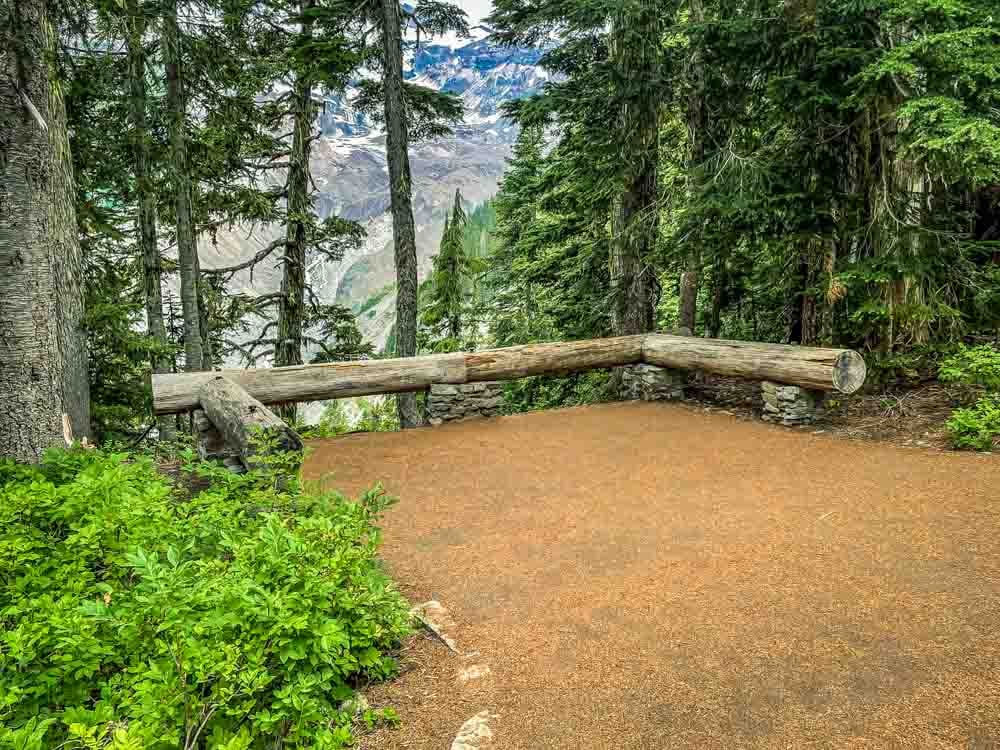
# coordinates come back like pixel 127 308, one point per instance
pixel 477 9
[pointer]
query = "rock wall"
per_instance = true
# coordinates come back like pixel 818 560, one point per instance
pixel 447 403
pixel 652 383
pixel 789 404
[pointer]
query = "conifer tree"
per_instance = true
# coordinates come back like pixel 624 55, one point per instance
pixel 180 180
pixel 408 111
pixel 43 360
pixel 611 56
pixel 448 293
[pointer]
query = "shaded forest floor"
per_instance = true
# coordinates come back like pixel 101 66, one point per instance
pixel 653 576
pixel 911 416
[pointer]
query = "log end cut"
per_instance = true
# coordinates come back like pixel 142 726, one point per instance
pixel 849 372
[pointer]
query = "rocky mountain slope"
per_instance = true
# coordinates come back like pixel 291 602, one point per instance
pixel 349 167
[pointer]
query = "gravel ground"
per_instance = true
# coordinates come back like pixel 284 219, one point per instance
pixel 655 576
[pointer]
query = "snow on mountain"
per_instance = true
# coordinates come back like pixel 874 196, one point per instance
pixel 349 169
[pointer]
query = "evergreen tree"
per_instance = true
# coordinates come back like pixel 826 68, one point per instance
pixel 514 308
pixel 43 360
pixel 400 185
pixel 636 52
pixel 610 55
pixel 152 266
pixel 810 186
pixel 448 294
pixel 697 125
pixel 409 111
pixel 180 174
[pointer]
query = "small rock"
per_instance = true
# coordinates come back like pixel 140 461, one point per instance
pixel 436 619
pixel 475 733
pixel 473 672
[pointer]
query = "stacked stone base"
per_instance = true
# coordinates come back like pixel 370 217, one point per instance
pixel 652 383
pixel 449 403
pixel 790 405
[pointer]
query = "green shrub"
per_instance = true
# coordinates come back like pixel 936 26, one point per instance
pixel 135 617
pixel 977 427
pixel 909 367
pixel 553 392
pixel 373 415
pixel 978 365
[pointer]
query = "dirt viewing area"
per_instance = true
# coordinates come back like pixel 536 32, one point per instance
pixel 642 575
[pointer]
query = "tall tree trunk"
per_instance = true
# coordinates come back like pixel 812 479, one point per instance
pixel 204 310
pixel 812 310
pixel 796 304
pixel 291 309
pixel 404 234
pixel 697 121
pixel 636 223
pixel 187 248
pixel 816 271
pixel 43 356
pixel 718 297
pixel 152 268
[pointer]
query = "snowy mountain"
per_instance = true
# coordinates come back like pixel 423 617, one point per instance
pixel 481 73
pixel 349 168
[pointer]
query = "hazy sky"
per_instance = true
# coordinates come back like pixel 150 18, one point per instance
pixel 477 9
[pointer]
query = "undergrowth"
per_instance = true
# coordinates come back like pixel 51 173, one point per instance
pixel 135 616
pixel 553 392
pixel 977 426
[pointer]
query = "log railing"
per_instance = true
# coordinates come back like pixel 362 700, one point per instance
pixel 819 369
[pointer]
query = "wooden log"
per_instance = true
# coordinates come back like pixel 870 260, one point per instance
pixel 821 369
pixel 551 359
pixel 243 421
pixel 818 369
pixel 178 392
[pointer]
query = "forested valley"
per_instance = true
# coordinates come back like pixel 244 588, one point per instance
pixel 822 173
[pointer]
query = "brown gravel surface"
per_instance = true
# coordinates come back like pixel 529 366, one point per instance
pixel 654 576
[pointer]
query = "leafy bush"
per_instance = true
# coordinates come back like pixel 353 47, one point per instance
pixel 135 617
pixel 978 365
pixel 909 367
pixel 378 415
pixel 373 415
pixel 978 427
pixel 552 392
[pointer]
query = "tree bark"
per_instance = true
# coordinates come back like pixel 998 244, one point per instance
pixel 400 186
pixel 152 267
pixel 696 125
pixel 187 248
pixel 718 298
pixel 43 358
pixel 245 423
pixel 636 49
pixel 291 306
pixel 818 369
pixel 204 308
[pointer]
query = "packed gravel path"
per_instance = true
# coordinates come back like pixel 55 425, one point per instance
pixel 652 576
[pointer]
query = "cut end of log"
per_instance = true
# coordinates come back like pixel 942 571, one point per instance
pixel 849 372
